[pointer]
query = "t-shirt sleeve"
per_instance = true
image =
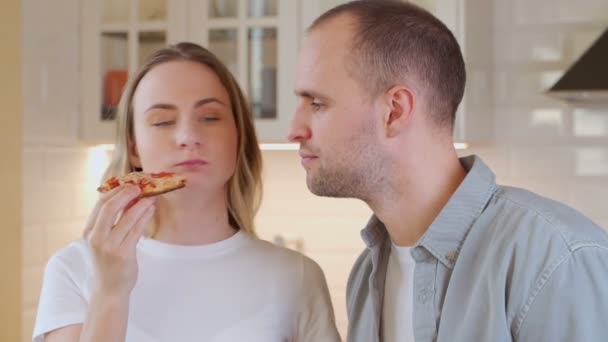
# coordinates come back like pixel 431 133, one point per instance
pixel 62 302
pixel 316 321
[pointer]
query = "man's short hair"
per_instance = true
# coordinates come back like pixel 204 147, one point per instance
pixel 396 41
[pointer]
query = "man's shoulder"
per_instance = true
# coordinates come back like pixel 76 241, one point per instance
pixel 526 213
pixel 361 269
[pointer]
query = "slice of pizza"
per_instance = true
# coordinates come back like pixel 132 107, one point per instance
pixel 151 184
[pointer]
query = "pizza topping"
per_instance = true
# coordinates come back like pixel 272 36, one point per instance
pixel 162 174
pixel 113 182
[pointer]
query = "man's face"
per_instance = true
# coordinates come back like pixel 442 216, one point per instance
pixel 335 121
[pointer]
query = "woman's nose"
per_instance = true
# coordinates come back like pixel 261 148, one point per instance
pixel 187 136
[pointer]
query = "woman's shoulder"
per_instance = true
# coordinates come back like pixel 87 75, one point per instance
pixel 73 258
pixel 288 260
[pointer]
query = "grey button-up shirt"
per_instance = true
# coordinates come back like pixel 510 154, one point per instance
pixel 497 264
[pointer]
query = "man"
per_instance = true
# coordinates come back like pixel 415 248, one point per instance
pixel 451 256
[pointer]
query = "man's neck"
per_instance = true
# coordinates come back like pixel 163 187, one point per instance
pixel 413 199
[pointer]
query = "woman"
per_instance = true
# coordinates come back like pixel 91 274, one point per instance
pixel 198 273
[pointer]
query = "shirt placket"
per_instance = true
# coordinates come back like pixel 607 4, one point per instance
pixel 425 328
pixel 376 285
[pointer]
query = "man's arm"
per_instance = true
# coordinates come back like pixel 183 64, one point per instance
pixel 570 302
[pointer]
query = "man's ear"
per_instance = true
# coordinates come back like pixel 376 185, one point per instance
pixel 133 155
pixel 400 100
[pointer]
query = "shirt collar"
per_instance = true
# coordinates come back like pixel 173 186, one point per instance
pixel 374 232
pixel 446 234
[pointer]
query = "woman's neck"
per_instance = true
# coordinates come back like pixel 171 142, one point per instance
pixel 192 220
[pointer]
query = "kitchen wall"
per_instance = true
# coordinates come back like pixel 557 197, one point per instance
pixel 57 194
pixel 10 171
pixel 539 143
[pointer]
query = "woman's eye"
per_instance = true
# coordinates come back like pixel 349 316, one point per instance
pixel 316 105
pixel 210 118
pixel 162 123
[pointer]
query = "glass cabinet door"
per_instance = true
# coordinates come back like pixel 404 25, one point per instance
pixel 118 36
pixel 249 36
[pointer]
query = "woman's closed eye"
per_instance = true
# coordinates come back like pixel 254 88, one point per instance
pixel 163 123
pixel 209 117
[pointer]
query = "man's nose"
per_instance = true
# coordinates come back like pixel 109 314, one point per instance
pixel 299 129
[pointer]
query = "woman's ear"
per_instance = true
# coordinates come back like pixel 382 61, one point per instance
pixel 400 100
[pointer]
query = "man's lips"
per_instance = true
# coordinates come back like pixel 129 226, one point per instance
pixel 304 154
pixel 307 158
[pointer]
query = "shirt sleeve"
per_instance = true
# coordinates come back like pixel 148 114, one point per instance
pixel 316 320
pixel 572 304
pixel 61 298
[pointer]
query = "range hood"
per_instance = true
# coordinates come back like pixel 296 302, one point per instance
pixel 587 79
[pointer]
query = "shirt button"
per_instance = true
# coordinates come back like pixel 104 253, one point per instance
pixel 424 295
pixel 452 256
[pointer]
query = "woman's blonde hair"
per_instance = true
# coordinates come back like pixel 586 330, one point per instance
pixel 244 190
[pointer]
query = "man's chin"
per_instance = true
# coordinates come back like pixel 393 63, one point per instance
pixel 315 187
pixel 323 189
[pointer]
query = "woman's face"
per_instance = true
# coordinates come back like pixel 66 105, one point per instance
pixel 183 123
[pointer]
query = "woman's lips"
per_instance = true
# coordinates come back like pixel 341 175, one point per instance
pixel 192 162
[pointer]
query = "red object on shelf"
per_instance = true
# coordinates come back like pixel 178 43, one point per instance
pixel 114 83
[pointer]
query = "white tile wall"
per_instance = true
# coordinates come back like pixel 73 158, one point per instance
pixel 555 149
pixel 53 212
pixel 540 144
pixel 54 166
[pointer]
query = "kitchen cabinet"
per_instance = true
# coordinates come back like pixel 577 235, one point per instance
pixel 471 22
pixel 248 35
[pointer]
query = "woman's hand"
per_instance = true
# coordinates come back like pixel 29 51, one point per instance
pixel 114 228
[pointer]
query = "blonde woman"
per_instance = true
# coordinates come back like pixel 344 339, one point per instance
pixel 184 266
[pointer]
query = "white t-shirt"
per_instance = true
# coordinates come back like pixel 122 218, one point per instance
pixel 397 310
pixel 238 289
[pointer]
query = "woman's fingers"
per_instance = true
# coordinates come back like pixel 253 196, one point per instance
pixel 93 215
pixel 138 229
pixel 129 220
pixel 109 211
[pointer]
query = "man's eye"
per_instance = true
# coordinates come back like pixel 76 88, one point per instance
pixel 316 105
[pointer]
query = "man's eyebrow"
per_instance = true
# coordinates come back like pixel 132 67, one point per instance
pixel 309 94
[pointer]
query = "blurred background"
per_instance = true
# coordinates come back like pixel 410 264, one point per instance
pixel 64 63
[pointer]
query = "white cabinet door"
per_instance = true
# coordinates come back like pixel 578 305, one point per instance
pixel 116 36
pixel 258 40
pixel 451 13
pixel 311 9
pixel 51 75
pixel 472 25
